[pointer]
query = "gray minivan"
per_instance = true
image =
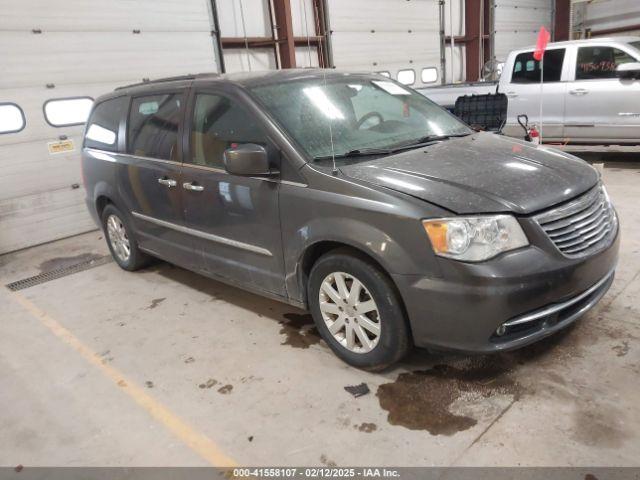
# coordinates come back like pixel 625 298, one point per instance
pixel 354 197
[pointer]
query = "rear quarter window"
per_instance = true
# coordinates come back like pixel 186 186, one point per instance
pixel 104 123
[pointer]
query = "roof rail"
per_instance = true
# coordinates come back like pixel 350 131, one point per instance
pixel 177 78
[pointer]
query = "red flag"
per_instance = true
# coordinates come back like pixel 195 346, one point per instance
pixel 543 39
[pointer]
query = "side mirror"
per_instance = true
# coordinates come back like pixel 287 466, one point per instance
pixel 247 159
pixel 628 71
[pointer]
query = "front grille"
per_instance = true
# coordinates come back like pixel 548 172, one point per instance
pixel 583 226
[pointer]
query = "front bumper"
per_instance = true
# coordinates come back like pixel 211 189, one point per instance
pixel 532 293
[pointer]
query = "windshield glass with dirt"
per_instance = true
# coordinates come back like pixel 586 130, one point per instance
pixel 355 114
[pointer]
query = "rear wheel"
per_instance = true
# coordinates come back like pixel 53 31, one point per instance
pixel 121 241
pixel 357 310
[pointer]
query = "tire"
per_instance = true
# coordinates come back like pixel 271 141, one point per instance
pixel 394 339
pixel 135 259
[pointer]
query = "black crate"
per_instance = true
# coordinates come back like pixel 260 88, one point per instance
pixel 486 112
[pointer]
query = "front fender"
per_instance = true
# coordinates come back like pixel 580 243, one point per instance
pixel 390 253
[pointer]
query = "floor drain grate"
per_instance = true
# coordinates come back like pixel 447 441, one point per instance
pixel 57 273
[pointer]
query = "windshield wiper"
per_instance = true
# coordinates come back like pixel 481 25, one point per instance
pixel 426 140
pixel 358 152
pixel 416 143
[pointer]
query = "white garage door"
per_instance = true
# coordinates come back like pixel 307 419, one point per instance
pixel 70 49
pixel 394 36
pixel 517 23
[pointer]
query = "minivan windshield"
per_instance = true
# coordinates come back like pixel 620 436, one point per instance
pixel 356 115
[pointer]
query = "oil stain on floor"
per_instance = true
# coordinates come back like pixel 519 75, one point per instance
pixel 65 262
pixel 421 400
pixel 299 329
pixel 155 302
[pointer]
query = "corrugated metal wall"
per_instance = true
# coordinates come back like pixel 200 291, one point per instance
pixel 71 48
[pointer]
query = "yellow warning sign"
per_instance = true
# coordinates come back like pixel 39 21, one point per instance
pixel 61 146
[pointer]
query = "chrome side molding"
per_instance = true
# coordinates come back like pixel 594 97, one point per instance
pixel 207 236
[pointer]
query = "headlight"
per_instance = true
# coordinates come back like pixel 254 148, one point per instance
pixel 474 239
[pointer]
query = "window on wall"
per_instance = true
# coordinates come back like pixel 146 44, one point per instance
pixel 600 62
pixel 218 123
pixel 526 69
pixel 407 77
pixel 63 112
pixel 103 125
pixel 11 118
pixel 153 126
pixel 429 75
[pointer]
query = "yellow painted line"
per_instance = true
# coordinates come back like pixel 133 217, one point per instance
pixel 195 440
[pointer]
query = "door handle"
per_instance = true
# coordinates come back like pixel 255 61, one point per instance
pixel 169 182
pixel 511 94
pixel 192 187
pixel 579 92
pixel 629 114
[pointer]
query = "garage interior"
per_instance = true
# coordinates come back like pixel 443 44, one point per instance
pixel 164 367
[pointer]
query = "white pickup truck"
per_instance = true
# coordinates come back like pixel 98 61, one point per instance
pixel 591 91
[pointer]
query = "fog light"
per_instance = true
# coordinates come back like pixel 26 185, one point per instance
pixel 501 330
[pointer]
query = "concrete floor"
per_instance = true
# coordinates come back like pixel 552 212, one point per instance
pixel 164 367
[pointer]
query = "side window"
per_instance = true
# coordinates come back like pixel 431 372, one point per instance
pixel 600 62
pixel 407 77
pixel 219 123
pixel 429 75
pixel 102 127
pixel 64 112
pixel 11 118
pixel 153 126
pixel 526 69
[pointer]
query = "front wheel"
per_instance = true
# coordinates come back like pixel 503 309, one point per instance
pixel 357 310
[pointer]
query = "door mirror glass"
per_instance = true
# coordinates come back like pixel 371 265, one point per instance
pixel 629 70
pixel 248 159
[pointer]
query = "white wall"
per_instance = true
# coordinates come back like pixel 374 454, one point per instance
pixel 83 48
pixel 385 35
pixel 605 14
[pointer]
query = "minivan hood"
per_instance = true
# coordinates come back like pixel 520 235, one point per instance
pixel 481 173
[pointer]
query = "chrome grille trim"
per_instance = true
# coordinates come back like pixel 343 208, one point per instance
pixel 581 227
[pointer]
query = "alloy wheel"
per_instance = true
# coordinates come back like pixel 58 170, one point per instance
pixel 118 238
pixel 350 312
